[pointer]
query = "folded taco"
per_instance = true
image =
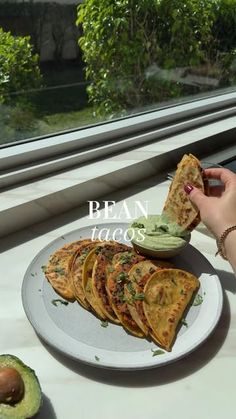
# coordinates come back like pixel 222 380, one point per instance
pixel 87 274
pixel 102 267
pixel 167 295
pixel 57 269
pixel 76 271
pixel 116 281
pixel 134 289
pixel 178 208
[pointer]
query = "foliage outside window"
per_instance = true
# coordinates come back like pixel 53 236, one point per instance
pixel 132 56
pixel 137 52
pixel 19 72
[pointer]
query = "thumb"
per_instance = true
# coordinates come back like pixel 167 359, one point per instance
pixel 196 196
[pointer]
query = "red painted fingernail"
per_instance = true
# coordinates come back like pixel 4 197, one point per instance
pixel 188 188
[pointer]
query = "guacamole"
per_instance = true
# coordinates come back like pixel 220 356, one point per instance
pixel 155 232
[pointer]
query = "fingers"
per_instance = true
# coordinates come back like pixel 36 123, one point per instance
pixel 224 175
pixel 196 196
pixel 216 190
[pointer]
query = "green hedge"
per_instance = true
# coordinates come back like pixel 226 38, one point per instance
pixel 225 25
pixel 126 43
pixel 19 70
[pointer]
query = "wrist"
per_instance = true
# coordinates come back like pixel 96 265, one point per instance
pixel 226 242
pixel 230 245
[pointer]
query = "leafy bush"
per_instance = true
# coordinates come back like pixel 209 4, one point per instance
pixel 19 70
pixel 130 47
pixel 185 31
pixel 119 43
pixel 225 25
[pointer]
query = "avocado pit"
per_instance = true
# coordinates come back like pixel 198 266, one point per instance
pixel 11 386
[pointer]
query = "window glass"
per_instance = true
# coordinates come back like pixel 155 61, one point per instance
pixel 66 64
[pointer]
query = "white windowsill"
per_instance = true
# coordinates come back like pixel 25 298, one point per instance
pixel 40 199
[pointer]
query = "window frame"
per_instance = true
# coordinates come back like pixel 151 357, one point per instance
pixel 47 155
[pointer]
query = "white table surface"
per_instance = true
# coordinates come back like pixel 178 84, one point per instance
pixel 202 385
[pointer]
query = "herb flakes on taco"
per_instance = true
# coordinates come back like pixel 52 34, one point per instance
pixel 167 295
pixel 178 208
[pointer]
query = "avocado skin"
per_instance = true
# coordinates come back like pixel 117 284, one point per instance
pixel 32 399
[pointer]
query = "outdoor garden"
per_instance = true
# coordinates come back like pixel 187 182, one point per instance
pixel 136 56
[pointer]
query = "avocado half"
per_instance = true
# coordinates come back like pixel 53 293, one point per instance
pixel 30 404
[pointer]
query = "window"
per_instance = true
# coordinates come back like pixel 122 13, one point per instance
pixel 121 62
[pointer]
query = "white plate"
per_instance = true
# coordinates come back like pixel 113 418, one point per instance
pixel 78 334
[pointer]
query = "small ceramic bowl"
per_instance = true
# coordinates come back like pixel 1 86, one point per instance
pixel 160 253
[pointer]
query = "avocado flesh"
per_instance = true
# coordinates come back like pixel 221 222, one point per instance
pixel 31 401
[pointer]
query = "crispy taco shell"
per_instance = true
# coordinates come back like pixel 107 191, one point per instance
pixel 87 275
pixel 134 289
pixel 115 290
pixel 57 270
pixel 178 208
pixel 76 271
pixel 102 267
pixel 167 295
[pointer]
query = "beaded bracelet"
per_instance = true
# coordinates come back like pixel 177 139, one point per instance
pixel 221 240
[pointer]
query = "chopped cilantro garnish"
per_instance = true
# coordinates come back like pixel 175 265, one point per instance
pixel 121 277
pixel 130 288
pixel 98 249
pixel 156 352
pixel 82 258
pixel 58 300
pixel 97 358
pixel 139 296
pixel 85 252
pixel 137 225
pixel 198 300
pixel 125 259
pixel 110 269
pixel 121 297
pixel 44 268
pixel 59 271
pixel 109 257
pixel 104 323
pixel 183 321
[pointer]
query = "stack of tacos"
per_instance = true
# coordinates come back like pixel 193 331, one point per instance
pixel 147 297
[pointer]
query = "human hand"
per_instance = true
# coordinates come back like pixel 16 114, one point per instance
pixel 218 210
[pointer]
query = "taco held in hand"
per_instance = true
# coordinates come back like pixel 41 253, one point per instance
pixel 166 234
pixel 178 208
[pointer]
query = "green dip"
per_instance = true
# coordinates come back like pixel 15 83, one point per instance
pixel 154 232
